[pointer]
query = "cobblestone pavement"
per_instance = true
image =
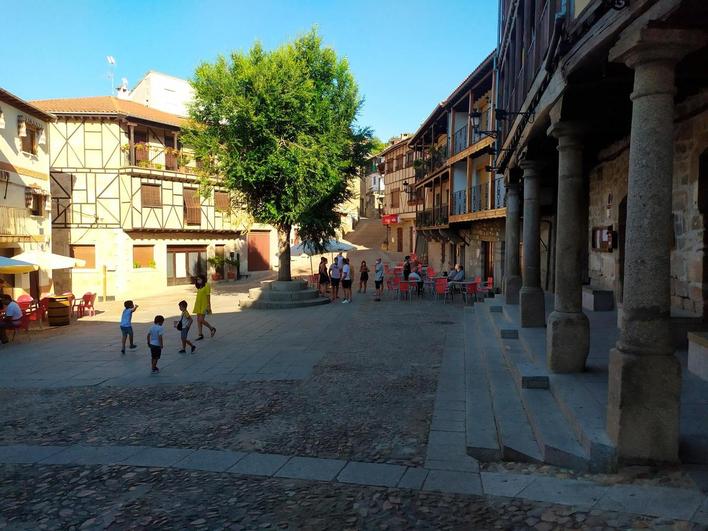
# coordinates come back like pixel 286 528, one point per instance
pixel 118 497
pixel 364 383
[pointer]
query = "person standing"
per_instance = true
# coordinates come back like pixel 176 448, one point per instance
pixel 202 306
pixel 155 341
pixel 126 324
pixel 335 274
pixel 378 278
pixel 347 281
pixel 363 276
pixel 324 277
pixel 406 267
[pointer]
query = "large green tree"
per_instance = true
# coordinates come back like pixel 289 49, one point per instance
pixel 279 127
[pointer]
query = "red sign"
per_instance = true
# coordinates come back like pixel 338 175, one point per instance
pixel 389 219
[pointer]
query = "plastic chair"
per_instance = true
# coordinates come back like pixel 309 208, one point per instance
pixel 84 305
pixel 23 299
pixel 485 288
pixel 430 272
pixel 442 288
pixel 404 287
pixel 470 291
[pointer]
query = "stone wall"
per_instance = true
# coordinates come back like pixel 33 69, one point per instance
pixel 609 177
pixel 490 230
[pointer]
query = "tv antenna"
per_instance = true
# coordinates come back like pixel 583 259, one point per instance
pixel 111 70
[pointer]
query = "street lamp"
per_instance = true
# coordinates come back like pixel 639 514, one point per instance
pixel 476 117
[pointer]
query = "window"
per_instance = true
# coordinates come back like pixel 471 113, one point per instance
pixel 395 197
pixel 150 195
pixel 29 141
pixel 192 207
pixel 143 256
pixel 222 201
pixel 87 253
pixel 37 206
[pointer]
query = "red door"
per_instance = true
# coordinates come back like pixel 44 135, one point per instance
pixel 258 251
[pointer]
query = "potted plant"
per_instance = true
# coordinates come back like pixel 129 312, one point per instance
pixel 232 271
pixel 217 262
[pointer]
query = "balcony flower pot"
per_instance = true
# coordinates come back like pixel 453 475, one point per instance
pixel 215 276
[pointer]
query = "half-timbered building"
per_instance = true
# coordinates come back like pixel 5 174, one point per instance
pixel 126 199
pixel 24 190
pixel 460 218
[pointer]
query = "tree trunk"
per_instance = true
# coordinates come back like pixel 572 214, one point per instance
pixel 284 253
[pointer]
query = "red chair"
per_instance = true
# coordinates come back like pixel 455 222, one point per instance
pixel 404 287
pixel 470 291
pixel 84 305
pixel 430 272
pixel 442 288
pixel 485 288
pixel 23 299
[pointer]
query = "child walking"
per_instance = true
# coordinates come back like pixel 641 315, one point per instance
pixel 126 324
pixel 185 321
pixel 155 341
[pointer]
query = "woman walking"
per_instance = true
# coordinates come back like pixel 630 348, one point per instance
pixel 363 276
pixel 202 306
pixel 324 277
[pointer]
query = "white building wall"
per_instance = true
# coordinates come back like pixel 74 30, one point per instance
pixel 163 92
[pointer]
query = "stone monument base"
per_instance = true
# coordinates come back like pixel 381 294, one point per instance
pixel 282 295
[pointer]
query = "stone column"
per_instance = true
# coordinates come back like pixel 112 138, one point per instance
pixel 568 335
pixel 643 408
pixel 533 311
pixel 512 280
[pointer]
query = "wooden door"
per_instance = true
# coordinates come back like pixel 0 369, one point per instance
pixel 258 251
pixel 185 263
pixel 410 239
pixel 399 239
pixel 487 260
pixel 219 253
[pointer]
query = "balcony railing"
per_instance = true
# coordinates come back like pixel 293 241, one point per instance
pixel 459 203
pixel 440 215
pixel 499 193
pixel 171 161
pixel 424 218
pixel 488 196
pixel 461 140
pixel 431 161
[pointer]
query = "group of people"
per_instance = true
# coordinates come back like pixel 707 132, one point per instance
pixel 155 340
pixel 341 271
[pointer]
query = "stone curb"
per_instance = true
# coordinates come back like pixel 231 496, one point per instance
pixel 660 502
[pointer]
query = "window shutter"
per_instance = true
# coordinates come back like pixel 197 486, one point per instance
pixel 192 207
pixel 221 201
pixel 150 195
pixel 86 253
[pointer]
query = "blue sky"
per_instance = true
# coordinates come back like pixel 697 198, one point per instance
pixel 405 55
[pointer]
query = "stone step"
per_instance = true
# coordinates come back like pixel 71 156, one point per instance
pixel 587 418
pixel 481 431
pixel 281 305
pixel 556 439
pixel 274 295
pixel 280 285
pixel 516 438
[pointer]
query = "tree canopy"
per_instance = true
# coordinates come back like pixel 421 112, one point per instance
pixel 279 127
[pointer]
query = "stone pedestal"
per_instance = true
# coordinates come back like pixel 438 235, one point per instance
pixel 531 297
pixel 282 295
pixel 512 278
pixel 645 377
pixel 568 336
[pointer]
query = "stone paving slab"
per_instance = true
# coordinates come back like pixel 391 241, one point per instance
pixel 20 453
pixel 566 491
pixel 157 457
pixel 701 515
pixel 413 478
pixel 93 455
pixel 453 482
pixel 259 464
pixel 371 474
pixel 666 502
pixel 311 468
pixel 462 463
pixel 211 460
pixel 505 484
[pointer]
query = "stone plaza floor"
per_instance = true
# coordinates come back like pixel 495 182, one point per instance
pixel 332 417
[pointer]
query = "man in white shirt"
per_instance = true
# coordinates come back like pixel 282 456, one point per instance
pixel 12 319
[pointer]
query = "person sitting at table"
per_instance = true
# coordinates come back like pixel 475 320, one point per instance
pixel 12 319
pixel 451 272
pixel 415 277
pixel 459 273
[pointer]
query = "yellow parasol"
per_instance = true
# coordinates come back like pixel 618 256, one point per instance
pixel 9 266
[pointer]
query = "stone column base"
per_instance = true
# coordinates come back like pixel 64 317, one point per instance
pixel 512 286
pixel 643 407
pixel 567 341
pixel 533 307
